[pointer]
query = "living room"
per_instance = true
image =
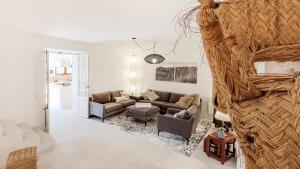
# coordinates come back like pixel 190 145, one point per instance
pixel 146 87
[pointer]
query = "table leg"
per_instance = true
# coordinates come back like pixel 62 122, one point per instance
pixel 222 153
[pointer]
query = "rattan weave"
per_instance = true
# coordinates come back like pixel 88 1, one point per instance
pixel 264 109
pixel 23 159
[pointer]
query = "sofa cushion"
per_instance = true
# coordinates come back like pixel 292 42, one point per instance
pixel 121 99
pixel 163 96
pixel 145 93
pixel 114 94
pixel 175 97
pixel 101 98
pixel 185 102
pixel 163 105
pixel 125 95
pixel 109 107
pixel 127 103
pixel 152 96
pixel 197 99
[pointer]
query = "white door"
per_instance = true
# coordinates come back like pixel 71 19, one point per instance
pixel 80 85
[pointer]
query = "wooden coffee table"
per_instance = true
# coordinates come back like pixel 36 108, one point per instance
pixel 220 149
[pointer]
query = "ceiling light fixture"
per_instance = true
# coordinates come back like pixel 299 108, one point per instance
pixel 153 58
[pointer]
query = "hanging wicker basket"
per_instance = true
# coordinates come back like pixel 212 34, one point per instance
pixel 264 109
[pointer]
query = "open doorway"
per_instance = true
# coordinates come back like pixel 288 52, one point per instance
pixel 60 82
pixel 67 85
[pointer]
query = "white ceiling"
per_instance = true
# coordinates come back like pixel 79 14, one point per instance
pixel 94 20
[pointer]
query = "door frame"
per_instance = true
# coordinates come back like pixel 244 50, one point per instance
pixel 47 101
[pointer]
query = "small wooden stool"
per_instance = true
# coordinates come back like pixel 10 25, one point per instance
pixel 218 148
pixel 23 159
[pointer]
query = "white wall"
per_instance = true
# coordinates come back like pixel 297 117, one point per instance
pixel 22 72
pixel 108 62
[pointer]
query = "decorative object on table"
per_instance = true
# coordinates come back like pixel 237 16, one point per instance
pixel 265 108
pixel 153 58
pixel 149 133
pixel 220 149
pixel 177 72
pixel 142 105
pixel 142 112
pixel 223 118
pixel 23 159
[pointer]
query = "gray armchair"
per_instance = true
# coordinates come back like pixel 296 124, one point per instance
pixel 182 127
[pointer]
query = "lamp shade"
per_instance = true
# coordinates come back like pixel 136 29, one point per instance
pixel 222 116
pixel 154 59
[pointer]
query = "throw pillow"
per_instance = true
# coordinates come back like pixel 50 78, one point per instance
pixel 184 102
pixel 152 96
pixel 196 100
pixel 121 99
pixel 125 95
pixel 114 94
pixel 192 110
pixel 179 114
pixel 144 94
pixel 183 114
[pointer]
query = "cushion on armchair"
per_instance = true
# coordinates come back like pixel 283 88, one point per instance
pixel 185 114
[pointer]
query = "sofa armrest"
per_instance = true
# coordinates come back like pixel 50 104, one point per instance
pixel 96 109
pixel 175 125
pixel 173 111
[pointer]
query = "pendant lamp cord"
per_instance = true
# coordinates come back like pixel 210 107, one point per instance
pixel 155 43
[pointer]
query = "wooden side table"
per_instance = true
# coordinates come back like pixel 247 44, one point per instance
pixel 220 149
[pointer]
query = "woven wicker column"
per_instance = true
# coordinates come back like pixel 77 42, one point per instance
pixel 264 109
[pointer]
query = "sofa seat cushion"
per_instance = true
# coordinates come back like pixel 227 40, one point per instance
pixel 163 105
pixel 109 107
pixel 127 103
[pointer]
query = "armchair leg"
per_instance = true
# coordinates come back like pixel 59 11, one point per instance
pixel 103 120
pixel 158 132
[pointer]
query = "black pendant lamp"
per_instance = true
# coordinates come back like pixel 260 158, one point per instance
pixel 153 58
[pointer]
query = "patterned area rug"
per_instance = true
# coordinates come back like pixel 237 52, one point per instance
pixel 174 142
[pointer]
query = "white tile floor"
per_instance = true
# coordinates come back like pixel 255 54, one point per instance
pixel 89 144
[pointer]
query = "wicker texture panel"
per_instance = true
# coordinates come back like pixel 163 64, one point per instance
pixel 23 159
pixel 264 109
